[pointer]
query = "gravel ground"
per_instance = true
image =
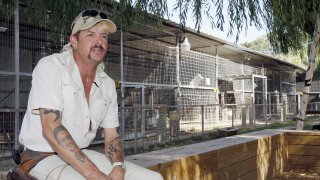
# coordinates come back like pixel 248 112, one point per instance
pixel 5 165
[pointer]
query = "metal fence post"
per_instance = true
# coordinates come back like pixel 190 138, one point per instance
pixel 233 115
pixel 284 110
pixel 135 129
pixel 202 121
pixel 254 114
pixel 17 75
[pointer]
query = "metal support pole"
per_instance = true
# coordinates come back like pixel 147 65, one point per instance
pixel 135 129
pixel 217 84
pixel 17 71
pixel 265 100
pixel 233 115
pixel 284 110
pixel 178 91
pixel 242 84
pixel 253 102
pixel 143 121
pixel 122 100
pixel 298 103
pixel 269 107
pixel 202 120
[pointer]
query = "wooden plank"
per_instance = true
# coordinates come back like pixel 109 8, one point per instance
pixel 266 164
pixel 237 170
pixel 303 133
pixel 307 161
pixel 182 171
pixel 272 163
pixel 256 176
pixel 208 176
pixel 206 164
pixel 304 150
pixel 189 167
pixel 250 175
pixel 297 139
pixel 229 155
pixel 273 142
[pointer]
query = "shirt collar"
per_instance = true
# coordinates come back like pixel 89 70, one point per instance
pixel 69 62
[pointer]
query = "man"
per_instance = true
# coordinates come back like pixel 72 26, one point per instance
pixel 71 96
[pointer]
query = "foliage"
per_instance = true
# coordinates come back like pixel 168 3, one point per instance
pixel 297 57
pixel 54 14
pixel 261 44
pixel 289 22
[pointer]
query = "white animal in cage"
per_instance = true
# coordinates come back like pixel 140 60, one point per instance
pixel 196 81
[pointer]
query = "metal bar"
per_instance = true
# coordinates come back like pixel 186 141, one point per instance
pixel 143 119
pixel 269 107
pixel 122 100
pixel 260 76
pixel 177 65
pixel 233 116
pixel 202 120
pixel 253 102
pixel 139 84
pixel 198 87
pixel 14 73
pixel 265 100
pixel 217 84
pixel 135 129
pixel 17 70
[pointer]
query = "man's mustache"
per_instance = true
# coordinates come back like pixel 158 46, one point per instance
pixel 98 46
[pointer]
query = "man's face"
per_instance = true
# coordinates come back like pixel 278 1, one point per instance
pixel 90 45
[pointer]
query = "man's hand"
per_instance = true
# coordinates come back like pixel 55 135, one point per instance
pixel 97 176
pixel 117 173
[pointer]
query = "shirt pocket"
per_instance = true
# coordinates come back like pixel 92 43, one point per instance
pixel 99 110
pixel 72 99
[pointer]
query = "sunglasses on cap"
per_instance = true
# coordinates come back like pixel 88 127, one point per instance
pixel 94 13
pixel 91 13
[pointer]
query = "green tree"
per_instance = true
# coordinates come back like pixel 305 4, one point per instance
pixel 290 23
pixel 262 45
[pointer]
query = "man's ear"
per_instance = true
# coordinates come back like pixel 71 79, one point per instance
pixel 73 41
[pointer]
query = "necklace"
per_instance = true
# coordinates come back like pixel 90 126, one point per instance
pixel 88 79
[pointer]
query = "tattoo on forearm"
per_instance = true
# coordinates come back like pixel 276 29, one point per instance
pixel 64 138
pixel 80 156
pixel 55 112
pixel 114 150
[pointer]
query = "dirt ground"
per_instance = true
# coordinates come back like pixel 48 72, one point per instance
pixel 5 165
pixel 299 175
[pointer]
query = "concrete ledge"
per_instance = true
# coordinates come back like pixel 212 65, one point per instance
pixel 258 155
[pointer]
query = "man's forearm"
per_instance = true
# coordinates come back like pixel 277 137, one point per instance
pixel 64 139
pixel 60 139
pixel 114 149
